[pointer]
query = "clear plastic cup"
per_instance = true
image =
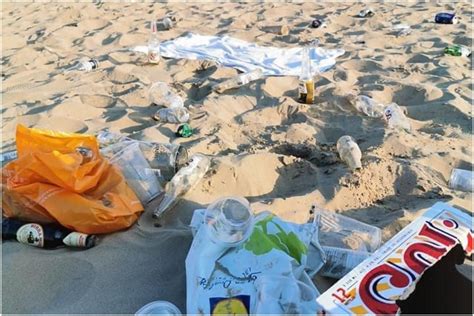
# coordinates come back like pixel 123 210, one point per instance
pixel 137 172
pixel 160 308
pixel 462 180
pixel 285 295
pixel 229 221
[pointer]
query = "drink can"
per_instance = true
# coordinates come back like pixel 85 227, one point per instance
pixel 446 18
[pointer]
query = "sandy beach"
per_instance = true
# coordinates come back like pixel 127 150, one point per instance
pixel 265 146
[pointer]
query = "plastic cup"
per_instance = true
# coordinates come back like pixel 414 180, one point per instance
pixel 159 307
pixel 461 180
pixel 229 221
pixel 137 172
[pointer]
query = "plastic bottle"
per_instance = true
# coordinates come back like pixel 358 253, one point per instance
pixel 366 13
pixel 238 81
pixel 173 115
pixel 160 93
pixel 153 45
pixel 349 152
pixel 306 82
pixel 366 105
pixel 395 117
pixel 457 50
pixel 184 180
pixel 462 180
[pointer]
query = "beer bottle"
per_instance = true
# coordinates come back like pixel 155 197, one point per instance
pixel 44 235
pixel 306 82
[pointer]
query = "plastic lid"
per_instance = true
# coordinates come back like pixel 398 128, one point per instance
pixel 159 307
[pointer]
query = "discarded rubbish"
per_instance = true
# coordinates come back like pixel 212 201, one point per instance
pixel 159 308
pixel 8 156
pixel 391 273
pixel 160 93
pixel 317 23
pixel 462 180
pixel 172 115
pixel 306 82
pixel 366 13
pixel 276 29
pixel 457 50
pixel 137 172
pixel 50 181
pixel 366 105
pixel 446 18
pixel 346 242
pixel 402 29
pixel 246 271
pixel 183 181
pixel 349 152
pixel 45 235
pixel 184 130
pixel 166 23
pixel 395 117
pixel 84 64
pixel 154 53
pixel 238 81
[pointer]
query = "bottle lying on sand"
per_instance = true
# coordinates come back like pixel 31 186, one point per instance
pixel 462 180
pixel 160 93
pixel 45 235
pixel 238 81
pixel 366 105
pixel 173 115
pixel 84 64
pixel 446 18
pixel 457 50
pixel 349 152
pixel 153 44
pixel 306 82
pixel 366 13
pixel 395 117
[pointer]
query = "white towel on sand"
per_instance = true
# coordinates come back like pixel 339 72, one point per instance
pixel 245 56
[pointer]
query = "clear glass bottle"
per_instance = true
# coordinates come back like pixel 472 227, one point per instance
pixel 306 81
pixel 154 45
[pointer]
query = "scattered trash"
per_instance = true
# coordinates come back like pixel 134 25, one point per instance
pixel 349 152
pixel 45 235
pixel 246 264
pixel 84 64
pixel 395 117
pixel 317 23
pixel 457 50
pixel 391 273
pixel 183 181
pixel 366 13
pixel 52 181
pixel 402 29
pixel 366 105
pixel 306 82
pixel 159 308
pixel 462 180
pixel 446 18
pixel 137 172
pixel 172 115
pixel 184 130
pixel 238 81
pixel 276 29
pixel 154 53
pixel 166 23
pixel 346 242
pixel 160 93
pixel 8 156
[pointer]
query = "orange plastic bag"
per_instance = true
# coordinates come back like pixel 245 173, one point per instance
pixel 50 181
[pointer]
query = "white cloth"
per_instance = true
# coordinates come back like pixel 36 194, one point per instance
pixel 245 56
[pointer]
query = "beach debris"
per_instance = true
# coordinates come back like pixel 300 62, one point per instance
pixel 366 105
pixel 462 180
pixel 349 152
pixel 446 18
pixel 183 181
pixel 406 256
pixel 8 156
pixel 237 258
pixel 306 80
pixel 84 64
pixel 281 29
pixel 166 23
pixel 318 23
pixel 402 29
pixel 172 115
pixel 238 81
pixel 457 50
pixel 154 53
pixel 45 235
pixel 185 131
pixel 366 13
pixel 396 118
pixel 160 93
pixel 159 308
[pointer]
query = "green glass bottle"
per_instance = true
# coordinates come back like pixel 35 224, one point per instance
pixel 457 50
pixel 184 130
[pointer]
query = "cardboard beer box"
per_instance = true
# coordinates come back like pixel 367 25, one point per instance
pixel 391 273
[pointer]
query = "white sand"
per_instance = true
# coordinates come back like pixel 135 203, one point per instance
pixel 277 153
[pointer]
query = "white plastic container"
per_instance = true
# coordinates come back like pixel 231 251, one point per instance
pixel 395 117
pixel 160 93
pixel 462 180
pixel 172 115
pixel 159 308
pixel 349 152
pixel 366 105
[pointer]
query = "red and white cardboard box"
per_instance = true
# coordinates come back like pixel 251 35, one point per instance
pixel 392 271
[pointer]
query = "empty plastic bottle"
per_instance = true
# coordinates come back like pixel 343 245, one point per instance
pixel 395 117
pixel 366 13
pixel 366 105
pixel 172 115
pixel 349 152
pixel 154 45
pixel 160 93
pixel 166 23
pixel 184 180
pixel 238 80
pixel 84 64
